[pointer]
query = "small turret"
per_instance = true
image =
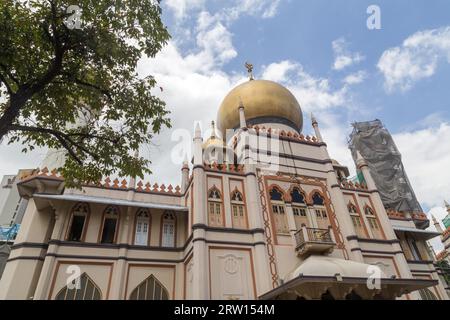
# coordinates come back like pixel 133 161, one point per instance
pixel 437 225
pixel 315 125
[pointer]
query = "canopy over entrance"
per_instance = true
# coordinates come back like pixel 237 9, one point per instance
pixel 320 277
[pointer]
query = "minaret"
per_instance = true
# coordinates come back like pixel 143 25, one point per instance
pixel 184 176
pixel 437 225
pixel 198 140
pixel 200 263
pixel 315 125
pixel 213 130
pixel 242 121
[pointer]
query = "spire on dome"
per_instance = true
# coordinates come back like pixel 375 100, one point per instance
pixel 249 67
pixel 213 129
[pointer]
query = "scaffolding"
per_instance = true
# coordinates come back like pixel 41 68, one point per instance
pixel 377 147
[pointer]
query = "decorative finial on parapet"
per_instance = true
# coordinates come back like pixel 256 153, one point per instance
pixel 249 67
pixel 437 225
pixel 313 119
pixel 434 219
pixel 198 131
pixel 360 161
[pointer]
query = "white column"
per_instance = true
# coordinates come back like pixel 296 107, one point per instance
pixel 184 176
pixel 254 212
pixel 242 121
pixel 200 285
pixel 41 292
pixel 315 125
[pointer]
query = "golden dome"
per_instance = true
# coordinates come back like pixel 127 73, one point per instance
pixel 264 102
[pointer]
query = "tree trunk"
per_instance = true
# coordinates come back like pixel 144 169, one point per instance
pixel 16 103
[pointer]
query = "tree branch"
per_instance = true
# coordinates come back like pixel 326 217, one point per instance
pixel 93 86
pixel 9 74
pixel 66 141
pixel 8 88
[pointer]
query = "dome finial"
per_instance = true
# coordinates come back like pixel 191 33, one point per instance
pixel 249 67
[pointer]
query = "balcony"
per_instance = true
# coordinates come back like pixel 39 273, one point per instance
pixel 313 241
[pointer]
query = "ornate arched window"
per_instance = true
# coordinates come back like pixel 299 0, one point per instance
pixel 278 210
pixel 373 221
pixel 84 288
pixel 168 229
pixel 110 225
pixel 150 289
pixel 297 196
pixel 237 196
pixel 215 214
pixel 299 208
pixel 238 210
pixel 318 199
pixel 320 211
pixel 142 228
pixel 78 222
pixel 356 219
pixel 276 195
pixel 214 193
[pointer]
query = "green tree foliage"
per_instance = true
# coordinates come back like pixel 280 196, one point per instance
pixel 58 66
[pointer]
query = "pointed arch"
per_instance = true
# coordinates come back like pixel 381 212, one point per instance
pixel 215 208
pixel 238 210
pixel 150 289
pixel 110 225
pixel 368 211
pixel 315 192
pixel 297 195
pixel 88 290
pixel 168 230
pixel 142 227
pixel 278 210
pixel 374 222
pixel 236 195
pixel 318 199
pixel 352 208
pixel 214 194
pixel 357 220
pixel 276 193
pixel 78 222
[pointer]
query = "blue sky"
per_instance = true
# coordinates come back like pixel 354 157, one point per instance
pixel 325 54
pixel 298 44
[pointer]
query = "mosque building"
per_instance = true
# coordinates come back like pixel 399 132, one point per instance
pixel 263 213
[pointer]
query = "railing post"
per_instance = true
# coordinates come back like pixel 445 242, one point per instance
pixel 305 234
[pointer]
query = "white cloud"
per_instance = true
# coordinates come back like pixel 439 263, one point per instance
pixel 426 155
pixel 343 57
pixel 181 8
pixel 313 93
pixel 230 10
pixel 278 71
pixel 355 78
pixel 214 39
pixel 417 58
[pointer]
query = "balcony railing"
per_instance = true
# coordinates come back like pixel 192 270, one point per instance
pixel 313 240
